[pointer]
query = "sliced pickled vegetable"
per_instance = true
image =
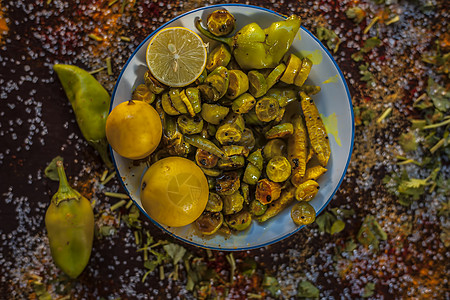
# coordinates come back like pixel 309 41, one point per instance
pixel 205 159
pixel 209 222
pixel 228 134
pixel 275 75
pixel 143 93
pixel 283 95
pixel 153 84
pixel 251 174
pixel 247 139
pixel 208 92
pixel 228 183
pixel 278 169
pixel 286 198
pixel 190 125
pixel 235 150
pixel 239 221
pixel 275 147
pixel 303 213
pixel 167 105
pixel 212 172
pixel 267 191
pixel 257 84
pixel 215 203
pixel 220 22
pixel 175 97
pixel 220 56
pixel 279 131
pixel 307 190
pixel 235 120
pixel 303 74
pixel 232 203
pixel 266 109
pixel 231 162
pixel 213 113
pixel 256 159
pixel 238 84
pixel 219 79
pixel 243 104
pixel 256 208
pixel 187 103
pixel 293 65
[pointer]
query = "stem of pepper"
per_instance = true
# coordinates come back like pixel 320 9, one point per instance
pixel 65 192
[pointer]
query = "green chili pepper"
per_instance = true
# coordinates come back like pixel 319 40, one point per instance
pixel 257 48
pixel 90 102
pixel 69 221
pixel 204 144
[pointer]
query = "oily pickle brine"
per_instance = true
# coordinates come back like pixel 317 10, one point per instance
pixel 70 227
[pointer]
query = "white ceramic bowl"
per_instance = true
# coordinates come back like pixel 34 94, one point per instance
pixel 333 99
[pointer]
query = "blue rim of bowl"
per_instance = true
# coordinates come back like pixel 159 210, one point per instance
pixel 341 75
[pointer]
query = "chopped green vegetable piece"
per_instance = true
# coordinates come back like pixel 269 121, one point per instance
pixel 306 289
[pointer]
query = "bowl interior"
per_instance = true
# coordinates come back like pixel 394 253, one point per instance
pixel 333 102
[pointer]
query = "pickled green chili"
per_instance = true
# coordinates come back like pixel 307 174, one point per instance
pixel 90 102
pixel 69 221
pixel 257 48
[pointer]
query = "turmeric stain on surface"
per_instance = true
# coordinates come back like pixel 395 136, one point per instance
pixel 315 56
pixel 3 24
pixel 331 125
pixel 331 79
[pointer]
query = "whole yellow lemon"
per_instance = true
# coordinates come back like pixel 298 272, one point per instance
pixel 133 129
pixel 174 191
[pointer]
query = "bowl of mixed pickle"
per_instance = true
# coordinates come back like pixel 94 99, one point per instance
pixel 265 120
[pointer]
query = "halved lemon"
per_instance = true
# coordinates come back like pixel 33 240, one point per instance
pixel 176 56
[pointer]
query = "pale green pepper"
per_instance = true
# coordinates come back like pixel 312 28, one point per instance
pixel 257 48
